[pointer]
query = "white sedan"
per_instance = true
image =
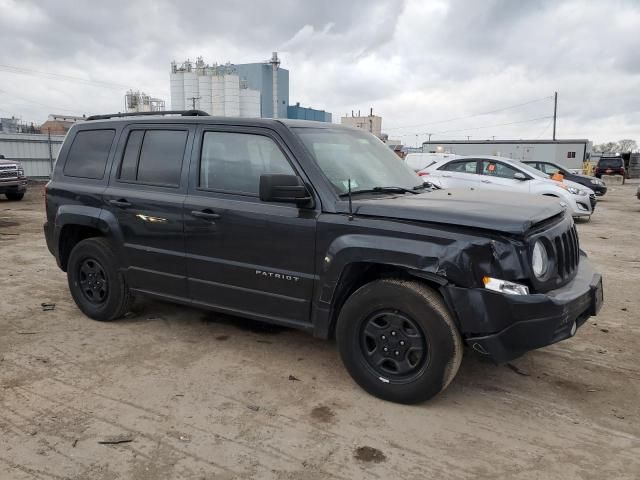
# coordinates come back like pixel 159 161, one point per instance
pixel 498 173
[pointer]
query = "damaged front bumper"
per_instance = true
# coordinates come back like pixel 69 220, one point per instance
pixel 503 327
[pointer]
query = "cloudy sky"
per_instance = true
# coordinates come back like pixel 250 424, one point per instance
pixel 426 66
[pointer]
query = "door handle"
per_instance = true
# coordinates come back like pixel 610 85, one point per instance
pixel 122 203
pixel 446 176
pixel 485 181
pixel 206 214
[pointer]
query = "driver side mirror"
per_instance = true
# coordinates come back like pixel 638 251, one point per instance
pixel 283 188
pixel 520 176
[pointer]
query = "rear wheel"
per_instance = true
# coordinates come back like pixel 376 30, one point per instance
pixel 96 285
pixel 398 340
pixel 15 196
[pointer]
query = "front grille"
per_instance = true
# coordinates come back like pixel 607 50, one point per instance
pixel 567 252
pixel 9 174
pixel 7 167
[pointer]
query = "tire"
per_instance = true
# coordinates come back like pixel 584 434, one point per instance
pixel 379 307
pixel 96 285
pixel 15 196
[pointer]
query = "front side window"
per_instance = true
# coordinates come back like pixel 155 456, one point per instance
pixel 154 157
pixel 345 154
pixel 233 162
pixel 88 154
pixel 461 166
pixel 550 169
pixel 497 169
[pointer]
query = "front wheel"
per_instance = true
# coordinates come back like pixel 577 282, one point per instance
pixel 15 196
pixel 398 340
pixel 96 285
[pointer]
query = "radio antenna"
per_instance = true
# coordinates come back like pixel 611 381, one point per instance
pixel 350 203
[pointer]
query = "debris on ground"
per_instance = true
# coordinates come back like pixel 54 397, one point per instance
pixel 116 440
pixel 518 370
pixel 47 307
pixel 255 408
pixel 369 454
pixel 294 379
pixel 604 330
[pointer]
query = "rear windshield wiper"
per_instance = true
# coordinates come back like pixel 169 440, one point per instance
pixel 381 190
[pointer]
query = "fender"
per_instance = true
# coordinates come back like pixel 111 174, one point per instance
pixel 448 258
pixel 87 216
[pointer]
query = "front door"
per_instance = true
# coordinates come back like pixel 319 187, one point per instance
pixel 146 193
pixel 246 256
pixel 497 175
pixel 458 174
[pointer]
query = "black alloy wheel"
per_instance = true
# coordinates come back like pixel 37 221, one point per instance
pixel 93 281
pixel 393 345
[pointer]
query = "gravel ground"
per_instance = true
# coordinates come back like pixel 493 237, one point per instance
pixel 174 392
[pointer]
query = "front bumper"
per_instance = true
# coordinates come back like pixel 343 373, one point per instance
pixel 503 327
pixel 13 186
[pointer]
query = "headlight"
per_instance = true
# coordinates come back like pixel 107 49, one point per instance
pixel 20 172
pixel 576 191
pixel 539 260
pixel 595 181
pixel 504 286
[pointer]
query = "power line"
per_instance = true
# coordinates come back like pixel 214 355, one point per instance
pixel 475 114
pixel 61 77
pixel 478 128
pixel 38 103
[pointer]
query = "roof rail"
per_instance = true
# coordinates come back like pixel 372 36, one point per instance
pixel 184 113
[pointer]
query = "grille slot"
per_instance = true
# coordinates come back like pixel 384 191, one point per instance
pixel 9 174
pixel 567 250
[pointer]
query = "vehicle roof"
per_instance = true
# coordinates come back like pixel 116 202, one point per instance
pixel 160 119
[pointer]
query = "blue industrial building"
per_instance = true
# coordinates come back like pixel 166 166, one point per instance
pixel 259 76
pixel 303 113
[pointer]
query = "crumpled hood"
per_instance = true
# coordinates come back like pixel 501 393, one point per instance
pixel 499 211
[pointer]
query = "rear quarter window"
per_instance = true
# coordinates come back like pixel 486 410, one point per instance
pixel 87 157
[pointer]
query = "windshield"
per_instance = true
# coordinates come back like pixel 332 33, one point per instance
pixel 345 155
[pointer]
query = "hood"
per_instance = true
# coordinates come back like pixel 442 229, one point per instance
pixel 4 161
pixel 490 210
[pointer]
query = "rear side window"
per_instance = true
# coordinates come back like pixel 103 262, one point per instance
pixel 154 157
pixel 462 166
pixel 88 154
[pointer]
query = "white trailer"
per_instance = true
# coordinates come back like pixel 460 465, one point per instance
pixel 571 154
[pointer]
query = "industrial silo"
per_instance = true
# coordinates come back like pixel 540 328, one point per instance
pixel 204 89
pixel 190 90
pixel 176 83
pixel 217 95
pixel 232 95
pixel 249 103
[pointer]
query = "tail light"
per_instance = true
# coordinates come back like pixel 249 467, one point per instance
pixel 423 174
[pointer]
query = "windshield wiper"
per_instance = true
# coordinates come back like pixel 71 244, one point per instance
pixel 381 190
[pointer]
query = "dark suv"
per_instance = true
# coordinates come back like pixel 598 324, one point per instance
pixel 610 166
pixel 314 226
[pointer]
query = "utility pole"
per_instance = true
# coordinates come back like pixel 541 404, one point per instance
pixel 555 113
pixel 50 152
pixel 193 101
pixel 429 135
pixel 468 137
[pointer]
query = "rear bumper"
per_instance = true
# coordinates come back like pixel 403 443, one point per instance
pixel 503 327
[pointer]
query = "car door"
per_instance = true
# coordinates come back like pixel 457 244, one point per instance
pixel 145 195
pixel 244 255
pixel 496 175
pixel 458 174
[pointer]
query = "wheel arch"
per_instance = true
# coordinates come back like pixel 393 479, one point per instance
pixel 75 223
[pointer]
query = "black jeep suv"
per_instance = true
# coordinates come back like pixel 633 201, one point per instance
pixel 319 227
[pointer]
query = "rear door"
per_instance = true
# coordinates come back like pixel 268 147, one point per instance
pixel 146 193
pixel 244 255
pixel 459 174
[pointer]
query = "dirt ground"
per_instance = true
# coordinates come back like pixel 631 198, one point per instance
pixel 180 393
